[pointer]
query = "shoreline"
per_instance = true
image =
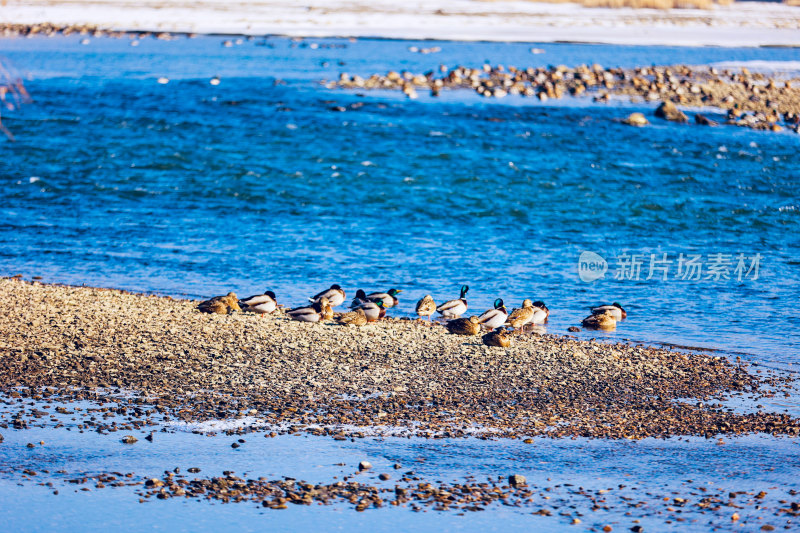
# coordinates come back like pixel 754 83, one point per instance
pixel 346 382
pixel 736 25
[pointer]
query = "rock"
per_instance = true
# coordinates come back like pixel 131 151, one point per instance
pixel 235 445
pixel 154 482
pixel 516 480
pixel 384 477
pixel 636 119
pixel 364 465
pixel 1 438
pixel 704 121
pixel 129 439
pixel 30 445
pixel 574 329
pixel 637 529
pixel 194 470
pixel 669 111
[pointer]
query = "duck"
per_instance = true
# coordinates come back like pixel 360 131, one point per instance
pixel 312 313
pixel 335 295
pixel 359 300
pixel 455 308
pixel 519 318
pixel 260 303
pixel 220 304
pixel 540 312
pixel 353 318
pixel 464 326
pixel 214 306
pixel 426 306
pixel 373 310
pixel 497 337
pixel 389 297
pixel 494 318
pixel 605 321
pixel 615 309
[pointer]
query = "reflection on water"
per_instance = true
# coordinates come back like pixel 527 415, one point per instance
pixel 624 480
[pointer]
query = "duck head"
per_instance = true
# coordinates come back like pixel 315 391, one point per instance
pixel 498 304
pixel 464 289
pixel 540 304
pixel 527 303
pixel 270 294
pixel 336 287
pixel 361 295
pixel 394 292
pixel 616 304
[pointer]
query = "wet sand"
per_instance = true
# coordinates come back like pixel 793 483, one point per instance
pixel 396 377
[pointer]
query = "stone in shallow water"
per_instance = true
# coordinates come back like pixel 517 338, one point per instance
pixel 516 480
pixel 364 465
pixel 636 119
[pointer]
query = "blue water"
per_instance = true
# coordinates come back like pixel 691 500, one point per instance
pixel 650 471
pixel 192 190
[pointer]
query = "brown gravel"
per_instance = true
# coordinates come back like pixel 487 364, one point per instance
pixel 316 377
pixel 752 99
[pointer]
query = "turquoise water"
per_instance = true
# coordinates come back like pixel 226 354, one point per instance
pixel 191 189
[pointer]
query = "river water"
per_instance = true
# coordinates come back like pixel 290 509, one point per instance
pixel 192 189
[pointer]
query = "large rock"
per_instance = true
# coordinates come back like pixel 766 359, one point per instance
pixel 669 111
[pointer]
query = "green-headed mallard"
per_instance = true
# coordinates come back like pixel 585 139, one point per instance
pixel 373 310
pixel 464 326
pixel 426 306
pixel 313 313
pixel 494 318
pixel 615 309
pixel 497 337
pixel 389 298
pixel 604 321
pixel 260 303
pixel 353 318
pixel 455 308
pixel 335 295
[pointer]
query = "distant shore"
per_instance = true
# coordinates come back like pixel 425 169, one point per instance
pixel 394 377
pixel 737 24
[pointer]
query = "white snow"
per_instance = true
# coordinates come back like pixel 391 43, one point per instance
pixel 739 24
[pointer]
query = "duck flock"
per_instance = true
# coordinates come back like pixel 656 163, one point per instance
pixel 366 308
